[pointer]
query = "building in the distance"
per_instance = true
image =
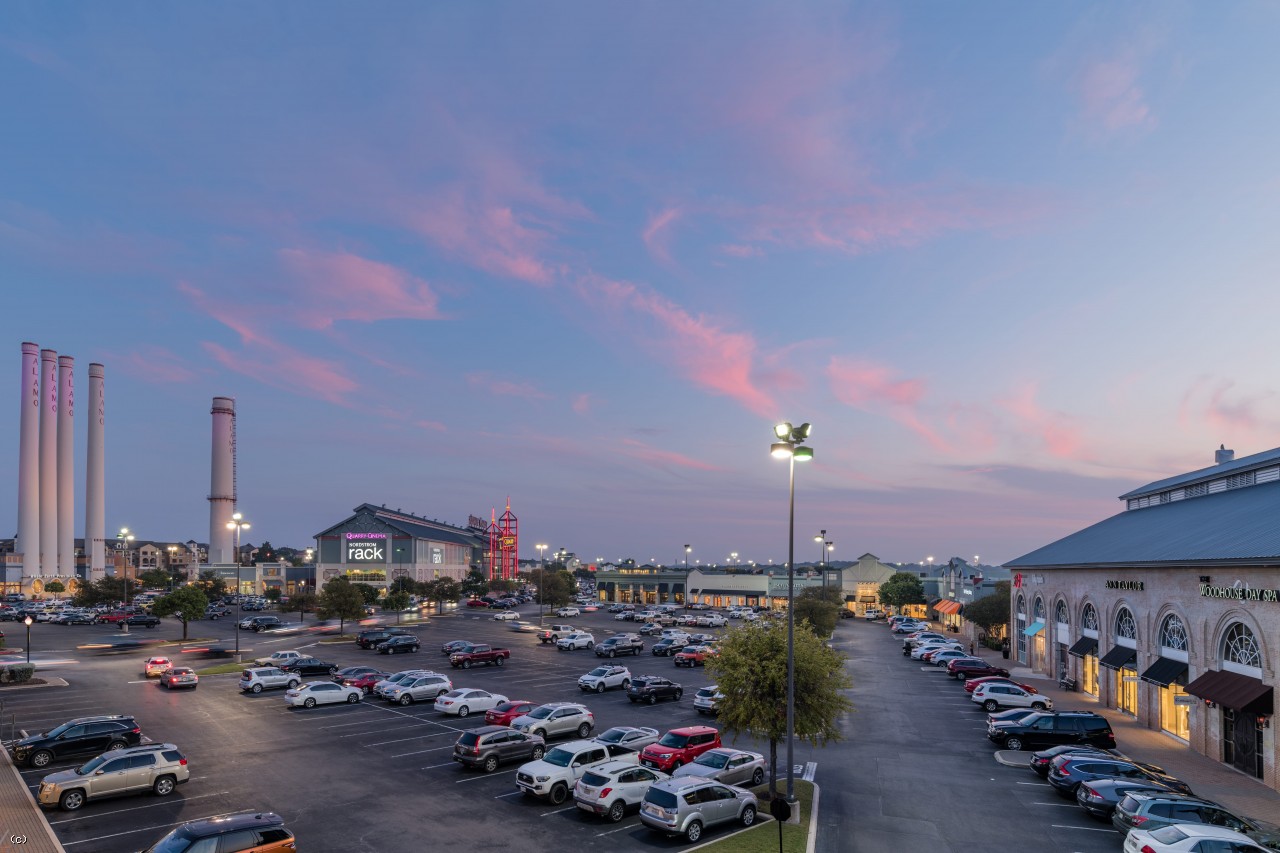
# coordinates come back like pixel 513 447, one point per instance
pixel 1170 610
pixel 377 545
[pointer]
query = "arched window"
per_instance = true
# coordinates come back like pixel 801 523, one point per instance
pixel 1173 634
pixel 1089 618
pixel 1060 614
pixel 1039 608
pixel 1240 646
pixel 1126 627
pixel 1022 607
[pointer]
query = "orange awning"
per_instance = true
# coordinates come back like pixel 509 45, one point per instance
pixel 950 607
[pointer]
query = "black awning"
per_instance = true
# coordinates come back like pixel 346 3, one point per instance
pixel 1084 646
pixel 1233 690
pixel 1164 672
pixel 1118 657
pixel 662 587
pixel 850 598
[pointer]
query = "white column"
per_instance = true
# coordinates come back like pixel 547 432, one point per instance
pixel 28 543
pixel 48 462
pixel 66 467
pixel 95 524
pixel 222 489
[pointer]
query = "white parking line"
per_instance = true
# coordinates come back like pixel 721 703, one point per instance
pixel 1089 828
pixel 1036 784
pixel 1060 805
pixel 558 811
pixel 415 737
pixel 420 751
pixel 512 794
pixel 133 831
pixel 434 766
pixel 619 829
pixel 477 778
pixel 97 815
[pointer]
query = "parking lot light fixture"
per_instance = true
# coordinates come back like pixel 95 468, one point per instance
pixel 27 622
pixel 237 523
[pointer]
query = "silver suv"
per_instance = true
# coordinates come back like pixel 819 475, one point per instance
pixel 267 677
pixel 421 687
pixel 156 767
pixel 556 718
pixel 685 806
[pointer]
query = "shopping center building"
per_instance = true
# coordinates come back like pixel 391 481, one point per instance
pixel 1170 610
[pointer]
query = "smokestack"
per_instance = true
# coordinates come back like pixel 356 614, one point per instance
pixel 48 462
pixel 95 522
pixel 66 466
pixel 1222 455
pixel 222 484
pixel 28 543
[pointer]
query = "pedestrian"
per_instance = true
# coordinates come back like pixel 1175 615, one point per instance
pixel 973 647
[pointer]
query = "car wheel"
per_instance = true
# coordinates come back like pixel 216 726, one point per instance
pixel 991 704
pixel 676 765
pixel 612 653
pixel 652 699
pixel 542 733
pixel 164 786
pixel 584 730
pixel 464 711
pixel 367 690
pixel 71 800
pixel 413 648
pixel 749 814
pixel 757 778
pixel 497 661
pixel 353 698
pixel 961 675
pixel 490 764
pixel 309 702
pixel 116 745
pixel 406 699
pixel 466 664
pixel 1014 743
pixel 693 831
pixel 333 670
pixel 559 792
pixel 599 686
pixel 257 688
pixel 537 753
pixel 617 811
pixel 1037 706
pixel 679 693
pixel 293 683
pixel 590 645
pixel 626 684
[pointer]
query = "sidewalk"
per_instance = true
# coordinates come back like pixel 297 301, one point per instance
pixel 1208 778
pixel 24 827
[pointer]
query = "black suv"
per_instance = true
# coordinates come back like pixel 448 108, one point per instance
pixel 81 736
pixel 309 666
pixel 1041 731
pixel 624 644
pixel 398 643
pixel 371 638
pixel 667 647
pixel 257 831
pixel 260 623
pixel 651 688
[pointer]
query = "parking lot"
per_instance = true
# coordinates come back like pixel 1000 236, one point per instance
pixel 370 776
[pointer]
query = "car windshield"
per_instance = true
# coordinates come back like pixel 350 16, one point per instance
pixel 541 713
pixel 673 739
pixel 468 739
pixel 1169 835
pixel 92 765
pixel 713 759
pixel 59 730
pixel 175 842
pixel 613 735
pixel 706 693
pixel 558 757
pixel 454 694
pixel 594 779
pixel 600 670
pixel 506 706
pixel 661 799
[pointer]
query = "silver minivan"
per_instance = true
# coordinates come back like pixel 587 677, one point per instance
pixel 686 806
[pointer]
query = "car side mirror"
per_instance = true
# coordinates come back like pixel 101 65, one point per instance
pixel 98 772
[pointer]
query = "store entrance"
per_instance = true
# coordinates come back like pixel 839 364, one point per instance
pixel 1242 742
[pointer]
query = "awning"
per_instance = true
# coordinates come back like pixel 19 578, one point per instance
pixel 1084 646
pixel 849 598
pixel 1034 628
pixel 662 587
pixel 1118 657
pixel 1233 690
pixel 949 607
pixel 1164 672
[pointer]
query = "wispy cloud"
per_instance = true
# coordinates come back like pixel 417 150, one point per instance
pixel 505 387
pixel 1229 411
pixel 343 286
pixel 1057 432
pixel 738 250
pixel 664 458
pixel 1111 96
pixel 582 403
pixel 873 388
pixel 155 364
pixel 657 234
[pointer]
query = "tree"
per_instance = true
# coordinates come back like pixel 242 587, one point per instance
pixel 439 591
pixel 55 587
pixel 751 672
pixel 991 612
pixel 153 578
pixel 404 584
pixel 474 584
pixel 555 587
pixel 273 594
pixel 500 585
pixel 107 590
pixel 211 585
pixel 266 553
pixel 301 602
pixel 901 589
pixel 396 602
pixel 188 603
pixel 369 593
pixel 820 606
pixel 340 600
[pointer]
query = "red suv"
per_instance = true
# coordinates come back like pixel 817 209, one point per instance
pixel 679 747
pixel 365 682
pixel 507 711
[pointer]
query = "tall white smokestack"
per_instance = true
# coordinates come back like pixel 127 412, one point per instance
pixel 48 462
pixel 95 519
pixel 222 485
pixel 66 466
pixel 28 543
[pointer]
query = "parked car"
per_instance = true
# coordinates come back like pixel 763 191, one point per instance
pixel 707 700
pixel 312 693
pixel 398 643
pixel 179 676
pixel 554 775
pixel 576 640
pixel 692 656
pixel 1149 812
pixel 1190 838
pixel 614 788
pixel 1013 715
pixel 257 679
pixel 370 638
pixel 687 806
pixel 943 656
pixel 966 668
pixel 602 678
pixel 922 649
pixel 651 688
pixel 1043 758
pixel 309 666
pixel 555 719
pixel 418 687
pixel 157 768
pixel 380 688
pixel 139 620
pixel 506 615
pixel 620 644
pixel 668 647
pixel 712 620
pixel 632 737
pixel 1066 772
pixel 216 612
pixel 264 830
pixel 505 712
pixel 279 658
pixel 453 645
pixel 260 623
pixel 972 684
pixel 1043 730
pixel 679 747
pixel 364 682
pixel 462 702
pixel 727 765
pixel 74 738
pixel 993 696
pixel 1099 797
pixel 568 611
pixel 487 747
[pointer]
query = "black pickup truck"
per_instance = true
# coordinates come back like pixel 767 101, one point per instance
pixel 139 620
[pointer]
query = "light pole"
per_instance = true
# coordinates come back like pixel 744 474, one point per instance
pixel 733 556
pixel 123 538
pixel 788 446
pixel 237 523
pixel 27 622
pixel 821 539
pixel 687 549
pixel 173 550
pixel 542 580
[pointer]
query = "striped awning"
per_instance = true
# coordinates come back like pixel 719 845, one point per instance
pixel 949 607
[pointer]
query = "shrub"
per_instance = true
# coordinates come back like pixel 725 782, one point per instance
pixel 16 673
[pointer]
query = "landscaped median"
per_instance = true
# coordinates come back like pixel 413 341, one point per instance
pixel 224 668
pixel 763 837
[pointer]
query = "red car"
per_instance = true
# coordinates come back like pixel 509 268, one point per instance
pixel 365 682
pixel 967 668
pixel 504 713
pixel 679 747
pixel 971 684
pixel 475 602
pixel 114 616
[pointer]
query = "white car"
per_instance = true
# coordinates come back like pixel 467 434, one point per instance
pixel 506 616
pixel 993 695
pixel 279 658
pixel 707 700
pixel 554 775
pixel 463 701
pixel 1189 838
pixel 613 788
pixel 576 640
pixel 568 611
pixel 313 693
pixel 937 645
pixel 602 678
pixel 632 737
pixel 675 635
pixel 750 616
pixel 156 666
pixel 712 620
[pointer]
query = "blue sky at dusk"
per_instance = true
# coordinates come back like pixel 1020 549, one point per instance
pixel 1011 260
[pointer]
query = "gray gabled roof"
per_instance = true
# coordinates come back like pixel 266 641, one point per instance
pixel 412 525
pixel 1257 460
pixel 1237 526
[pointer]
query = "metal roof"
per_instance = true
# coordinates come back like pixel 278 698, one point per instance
pixel 419 528
pixel 1244 463
pixel 1239 525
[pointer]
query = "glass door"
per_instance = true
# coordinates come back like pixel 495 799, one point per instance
pixel 1126 690
pixel 1089 675
pixel 1174 718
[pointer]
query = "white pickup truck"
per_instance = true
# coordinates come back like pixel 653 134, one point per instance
pixel 554 775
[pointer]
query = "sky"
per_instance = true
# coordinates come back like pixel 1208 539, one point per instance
pixel 1010 260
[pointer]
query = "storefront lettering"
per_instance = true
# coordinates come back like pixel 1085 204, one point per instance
pixel 366 536
pixel 1239 593
pixel 1132 586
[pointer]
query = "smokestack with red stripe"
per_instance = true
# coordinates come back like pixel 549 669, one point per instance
pixel 48 462
pixel 95 524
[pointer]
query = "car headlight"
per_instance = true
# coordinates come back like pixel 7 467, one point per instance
pixel 542 778
pixel 664 756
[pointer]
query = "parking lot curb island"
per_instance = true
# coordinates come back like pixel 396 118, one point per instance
pixel 24 826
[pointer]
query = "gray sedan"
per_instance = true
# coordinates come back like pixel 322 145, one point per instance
pixel 730 766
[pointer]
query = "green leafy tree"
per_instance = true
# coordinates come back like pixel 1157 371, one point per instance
pixel 187 603
pixel 751 672
pixel 302 603
pixel 106 590
pixel 991 612
pixel 396 602
pixel 370 594
pixel 901 589
pixel 820 606
pixel 555 587
pixel 439 591
pixel 55 587
pixel 475 584
pixel 500 585
pixel 340 600
pixel 273 594
pixel 404 584
pixel 211 585
pixel 153 578
pixel 266 553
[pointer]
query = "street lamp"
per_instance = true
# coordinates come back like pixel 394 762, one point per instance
pixel 733 555
pixel 542 581
pixel 789 446
pixel 687 549
pixel 27 622
pixel 821 539
pixel 124 537
pixel 173 550
pixel 237 523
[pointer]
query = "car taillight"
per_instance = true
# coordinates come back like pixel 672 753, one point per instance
pixel 604 792
pixel 1090 794
pixel 135 731
pixel 1146 848
pixel 182 761
pixel 1062 768
pixel 1137 821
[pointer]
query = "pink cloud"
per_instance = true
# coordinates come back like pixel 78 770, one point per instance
pixel 1056 430
pixel 1220 405
pixel 582 403
pixel 738 250
pixel 645 453
pixel 434 426
pixel 156 364
pixel 872 388
pixel 343 286
pixel 505 387
pixel 1111 98
pixel 657 233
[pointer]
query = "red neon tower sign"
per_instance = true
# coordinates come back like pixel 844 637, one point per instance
pixel 504 545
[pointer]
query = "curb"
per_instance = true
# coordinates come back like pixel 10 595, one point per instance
pixel 51 681
pixel 44 823
pixel 1000 756
pixel 813 820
